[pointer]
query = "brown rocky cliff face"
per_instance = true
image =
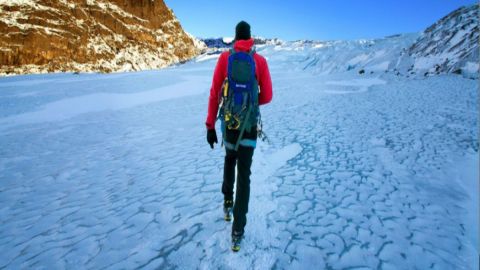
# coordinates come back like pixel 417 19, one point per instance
pixel 90 35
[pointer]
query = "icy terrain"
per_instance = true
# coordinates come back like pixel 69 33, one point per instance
pixel 371 171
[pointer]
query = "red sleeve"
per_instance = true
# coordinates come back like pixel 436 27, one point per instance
pixel 218 77
pixel 264 81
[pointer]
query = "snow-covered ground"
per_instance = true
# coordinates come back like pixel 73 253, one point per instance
pixel 113 171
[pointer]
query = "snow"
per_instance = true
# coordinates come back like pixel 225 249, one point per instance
pixel 327 57
pixel 18 2
pixel 110 7
pixel 354 86
pixel 367 171
pixel 228 39
pixel 427 63
pixel 465 174
pixel 380 66
pixel 471 67
pixel 206 57
pixel 71 107
pixel 358 82
pixel 30 4
pixel 458 37
pixel 98 44
pixel 358 59
pixel 67 3
pixel 197 42
pixel 13 17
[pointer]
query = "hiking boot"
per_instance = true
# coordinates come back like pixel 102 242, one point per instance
pixel 228 209
pixel 236 240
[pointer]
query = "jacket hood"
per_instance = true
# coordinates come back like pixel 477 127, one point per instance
pixel 243 45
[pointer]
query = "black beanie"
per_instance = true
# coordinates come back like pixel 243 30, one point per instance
pixel 242 31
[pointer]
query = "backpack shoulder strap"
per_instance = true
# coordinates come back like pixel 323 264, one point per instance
pixel 252 51
pixel 229 65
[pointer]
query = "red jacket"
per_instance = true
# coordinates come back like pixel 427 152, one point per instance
pixel 262 73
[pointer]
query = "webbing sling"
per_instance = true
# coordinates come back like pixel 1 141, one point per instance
pixel 242 128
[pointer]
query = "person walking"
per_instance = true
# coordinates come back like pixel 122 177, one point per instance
pixel 241 82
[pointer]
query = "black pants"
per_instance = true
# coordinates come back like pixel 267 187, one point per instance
pixel 242 159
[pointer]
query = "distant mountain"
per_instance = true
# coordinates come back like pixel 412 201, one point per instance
pixel 326 57
pixel 225 42
pixel 90 35
pixel 218 42
pixel 449 45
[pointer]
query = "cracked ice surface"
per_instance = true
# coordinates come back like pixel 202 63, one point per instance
pixel 113 171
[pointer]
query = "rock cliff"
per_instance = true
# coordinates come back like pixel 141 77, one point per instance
pixel 38 36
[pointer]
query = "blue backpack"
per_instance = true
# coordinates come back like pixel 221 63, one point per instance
pixel 239 109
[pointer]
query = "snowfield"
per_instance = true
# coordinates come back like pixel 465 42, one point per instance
pixel 372 171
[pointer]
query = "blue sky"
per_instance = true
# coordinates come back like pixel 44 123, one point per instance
pixel 310 19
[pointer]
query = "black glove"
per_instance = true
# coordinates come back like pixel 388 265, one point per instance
pixel 211 137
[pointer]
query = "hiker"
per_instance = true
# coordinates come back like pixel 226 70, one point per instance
pixel 241 82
